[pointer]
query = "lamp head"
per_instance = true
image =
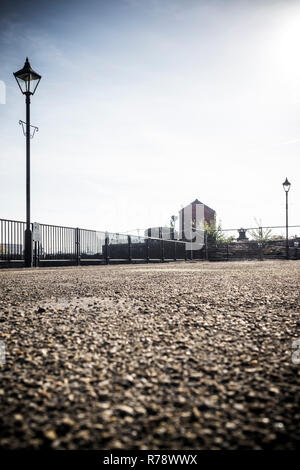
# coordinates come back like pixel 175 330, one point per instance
pixel 286 185
pixel 27 79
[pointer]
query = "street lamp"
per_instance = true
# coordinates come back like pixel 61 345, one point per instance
pixel 28 81
pixel 286 186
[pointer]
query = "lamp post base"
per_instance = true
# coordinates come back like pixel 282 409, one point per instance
pixel 28 248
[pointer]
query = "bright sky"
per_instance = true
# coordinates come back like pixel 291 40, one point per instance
pixel 145 105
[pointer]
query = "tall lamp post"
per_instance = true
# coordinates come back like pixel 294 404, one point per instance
pixel 28 81
pixel 286 186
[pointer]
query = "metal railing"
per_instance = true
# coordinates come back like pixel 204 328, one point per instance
pixel 266 242
pixel 69 245
pixel 12 240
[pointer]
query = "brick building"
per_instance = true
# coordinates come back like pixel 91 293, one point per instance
pixel 194 215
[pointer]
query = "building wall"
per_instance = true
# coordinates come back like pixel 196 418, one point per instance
pixel 193 212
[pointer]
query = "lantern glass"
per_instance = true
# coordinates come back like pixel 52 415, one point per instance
pixel 286 185
pixel 27 79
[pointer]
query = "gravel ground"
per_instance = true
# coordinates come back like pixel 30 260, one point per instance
pixel 160 356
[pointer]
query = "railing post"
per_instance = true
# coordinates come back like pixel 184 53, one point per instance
pixel 261 248
pixel 206 247
pixel 147 249
pixel 36 258
pixel 77 245
pixel 129 249
pixel 107 248
pixel 175 251
pixel 162 252
pixel 34 254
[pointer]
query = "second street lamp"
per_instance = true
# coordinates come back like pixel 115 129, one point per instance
pixel 286 186
pixel 28 81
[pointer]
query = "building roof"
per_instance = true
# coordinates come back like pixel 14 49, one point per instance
pixel 196 201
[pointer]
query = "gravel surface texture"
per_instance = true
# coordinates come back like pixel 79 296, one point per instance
pixel 159 356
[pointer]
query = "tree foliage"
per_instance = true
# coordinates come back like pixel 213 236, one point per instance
pixel 215 234
pixel 261 234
